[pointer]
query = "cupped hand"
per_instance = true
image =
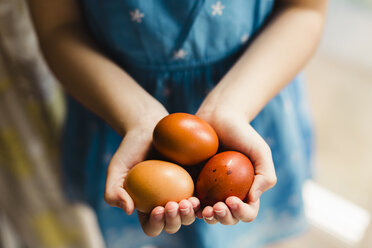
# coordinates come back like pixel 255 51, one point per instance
pixel 169 218
pixel 133 149
pixel 235 133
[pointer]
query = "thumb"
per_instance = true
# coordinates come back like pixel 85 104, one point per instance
pixel 131 151
pixel 254 146
pixel 265 176
pixel 115 194
pixel 260 184
pixel 118 197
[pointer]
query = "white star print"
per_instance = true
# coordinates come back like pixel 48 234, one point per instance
pixel 180 54
pixel 217 8
pixel 244 38
pixel 136 15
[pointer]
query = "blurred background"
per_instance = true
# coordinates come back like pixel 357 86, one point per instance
pixel 338 201
pixel 339 81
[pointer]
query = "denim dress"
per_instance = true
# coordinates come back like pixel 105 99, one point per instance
pixel 178 50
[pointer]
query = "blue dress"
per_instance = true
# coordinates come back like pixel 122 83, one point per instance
pixel 178 50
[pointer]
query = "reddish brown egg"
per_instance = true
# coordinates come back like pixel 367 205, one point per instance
pixel 185 139
pixel 153 183
pixel 226 174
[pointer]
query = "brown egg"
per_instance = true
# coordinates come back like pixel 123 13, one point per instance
pixel 153 183
pixel 185 139
pixel 226 174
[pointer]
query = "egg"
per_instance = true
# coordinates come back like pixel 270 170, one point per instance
pixel 153 183
pixel 185 139
pixel 228 173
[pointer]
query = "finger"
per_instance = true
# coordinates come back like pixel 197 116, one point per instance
pixel 208 215
pixel 196 206
pixel 265 177
pixel 259 152
pixel 115 195
pixel 223 214
pixel 186 212
pixel 152 225
pixel 172 218
pixel 118 197
pixel 195 203
pixel 131 150
pixel 244 138
pixel 261 183
pixel 241 210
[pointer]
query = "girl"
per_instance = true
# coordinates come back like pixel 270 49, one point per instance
pixel 133 62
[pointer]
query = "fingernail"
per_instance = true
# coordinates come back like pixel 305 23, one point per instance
pixel 158 216
pixel 220 213
pixel 233 206
pixel 209 218
pixel 185 210
pixel 172 212
pixel 193 203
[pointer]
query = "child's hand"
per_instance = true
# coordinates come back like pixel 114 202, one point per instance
pixel 169 218
pixel 235 133
pixel 132 150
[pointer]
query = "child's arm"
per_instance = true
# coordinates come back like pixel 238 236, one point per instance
pixel 111 93
pixel 270 62
pixel 85 73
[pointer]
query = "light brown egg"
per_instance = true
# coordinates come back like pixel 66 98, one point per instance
pixel 153 183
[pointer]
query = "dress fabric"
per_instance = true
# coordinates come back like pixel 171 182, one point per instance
pixel 178 51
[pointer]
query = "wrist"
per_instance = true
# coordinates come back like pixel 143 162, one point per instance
pixel 219 105
pixel 143 118
pixel 217 113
